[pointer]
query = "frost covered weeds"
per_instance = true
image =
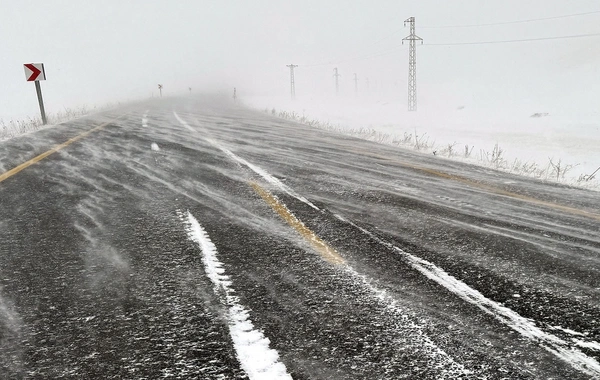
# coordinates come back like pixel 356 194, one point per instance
pixel 14 128
pixel 554 170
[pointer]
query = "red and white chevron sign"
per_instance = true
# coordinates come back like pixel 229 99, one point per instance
pixel 34 72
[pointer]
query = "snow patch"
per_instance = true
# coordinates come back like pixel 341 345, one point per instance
pixel 10 320
pixel 251 346
pixel 145 119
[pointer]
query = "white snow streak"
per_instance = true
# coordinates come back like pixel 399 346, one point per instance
pixel 568 331
pixel 559 347
pixel 591 345
pixel 252 347
pixel 261 172
pixel 448 367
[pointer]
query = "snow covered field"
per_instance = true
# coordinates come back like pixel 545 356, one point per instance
pixel 522 141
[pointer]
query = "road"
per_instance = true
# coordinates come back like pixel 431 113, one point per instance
pixel 194 238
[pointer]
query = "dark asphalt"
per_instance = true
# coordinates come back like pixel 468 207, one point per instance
pixel 99 278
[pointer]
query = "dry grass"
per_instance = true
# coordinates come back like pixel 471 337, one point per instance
pixel 13 128
pixel 555 170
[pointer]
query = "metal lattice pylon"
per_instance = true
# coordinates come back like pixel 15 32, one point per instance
pixel 412 64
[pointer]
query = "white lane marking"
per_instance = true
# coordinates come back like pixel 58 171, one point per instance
pixel 261 172
pixel 183 122
pixel 145 119
pixel 557 346
pixel 252 347
pixel 268 177
pixel 406 322
pixel 154 146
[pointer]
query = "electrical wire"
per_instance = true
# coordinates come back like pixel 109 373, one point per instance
pixel 393 49
pixel 519 40
pixel 510 22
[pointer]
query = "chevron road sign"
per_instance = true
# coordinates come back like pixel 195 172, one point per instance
pixel 34 72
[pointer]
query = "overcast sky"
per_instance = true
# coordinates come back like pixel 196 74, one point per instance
pixel 114 50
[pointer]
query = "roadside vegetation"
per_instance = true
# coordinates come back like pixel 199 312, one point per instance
pixel 12 128
pixel 555 170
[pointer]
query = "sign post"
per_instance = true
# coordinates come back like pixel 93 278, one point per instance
pixel 34 72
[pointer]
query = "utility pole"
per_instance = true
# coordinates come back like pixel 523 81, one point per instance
pixel 337 83
pixel 292 81
pixel 412 64
pixel 355 85
pixel 160 89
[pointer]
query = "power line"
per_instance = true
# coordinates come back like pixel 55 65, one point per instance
pixel 511 22
pixel 519 40
pixel 394 49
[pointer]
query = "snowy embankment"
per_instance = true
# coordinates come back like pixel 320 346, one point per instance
pixel 536 143
pixel 17 127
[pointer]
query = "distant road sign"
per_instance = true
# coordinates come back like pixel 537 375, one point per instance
pixel 34 72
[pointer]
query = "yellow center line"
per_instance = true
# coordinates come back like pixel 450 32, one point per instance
pixel 328 253
pixel 510 194
pixel 493 189
pixel 36 159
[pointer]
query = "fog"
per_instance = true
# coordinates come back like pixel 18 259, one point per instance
pixel 109 51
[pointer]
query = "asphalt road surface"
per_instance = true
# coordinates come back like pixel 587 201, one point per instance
pixel 195 239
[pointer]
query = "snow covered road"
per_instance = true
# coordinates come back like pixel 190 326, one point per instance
pixel 191 238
